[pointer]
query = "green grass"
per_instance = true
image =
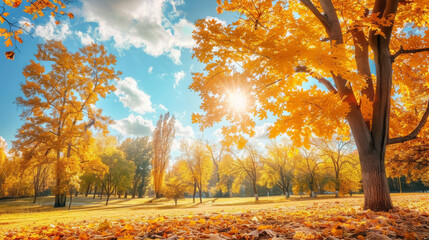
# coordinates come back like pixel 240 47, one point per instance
pixel 22 212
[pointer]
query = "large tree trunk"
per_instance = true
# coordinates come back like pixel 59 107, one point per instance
pixel 60 200
pixel 375 187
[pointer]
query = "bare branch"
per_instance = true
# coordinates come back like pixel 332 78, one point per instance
pixel 415 132
pixel 403 51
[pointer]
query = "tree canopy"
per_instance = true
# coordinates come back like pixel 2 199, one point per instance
pixel 308 65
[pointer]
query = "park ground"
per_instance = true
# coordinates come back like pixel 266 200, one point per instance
pixel 216 218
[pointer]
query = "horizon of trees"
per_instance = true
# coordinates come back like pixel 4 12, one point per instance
pixel 279 169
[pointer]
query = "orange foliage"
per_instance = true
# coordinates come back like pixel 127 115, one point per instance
pixel 35 8
pixel 59 108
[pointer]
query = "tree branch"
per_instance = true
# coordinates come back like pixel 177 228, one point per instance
pixel 402 51
pixel 322 18
pixel 321 80
pixel 415 132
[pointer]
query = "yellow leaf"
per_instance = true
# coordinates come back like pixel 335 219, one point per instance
pixel 337 231
pixel 6 14
pixel 8 2
pixel 104 225
pixel 128 227
pixel 8 43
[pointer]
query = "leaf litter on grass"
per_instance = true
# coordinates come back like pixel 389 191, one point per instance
pixel 328 220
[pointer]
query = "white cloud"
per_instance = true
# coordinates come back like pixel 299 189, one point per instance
pixel 141 24
pixel 182 32
pixel 162 107
pixel 52 31
pixel 183 131
pixel 177 77
pixel 85 38
pixel 134 125
pixel 132 97
pixel 261 132
pixel 174 55
pixel 150 70
pixel 216 20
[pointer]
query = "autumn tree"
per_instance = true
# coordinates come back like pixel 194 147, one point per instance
pixel 307 64
pixel 162 140
pixel 307 171
pixel 279 166
pixel 216 152
pixel 175 185
pixel 229 182
pixel 58 106
pixel 15 180
pixel 120 174
pixel 11 30
pixel 338 155
pixel 139 151
pixel 3 159
pixel 247 165
pixel 199 165
pixel 409 159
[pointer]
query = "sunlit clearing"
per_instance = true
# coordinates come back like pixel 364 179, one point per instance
pixel 237 101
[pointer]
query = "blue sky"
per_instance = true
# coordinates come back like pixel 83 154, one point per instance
pixel 152 42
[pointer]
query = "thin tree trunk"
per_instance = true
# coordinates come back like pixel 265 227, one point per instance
pixel 95 190
pixel 71 198
pixel 35 193
pixel 400 185
pixel 87 190
pixel 195 192
pixel 134 191
pixel 255 191
pixel 287 190
pixel 101 193
pixel 200 193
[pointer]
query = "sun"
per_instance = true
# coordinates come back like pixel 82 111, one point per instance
pixel 237 101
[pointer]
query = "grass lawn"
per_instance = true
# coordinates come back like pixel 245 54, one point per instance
pixel 22 213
